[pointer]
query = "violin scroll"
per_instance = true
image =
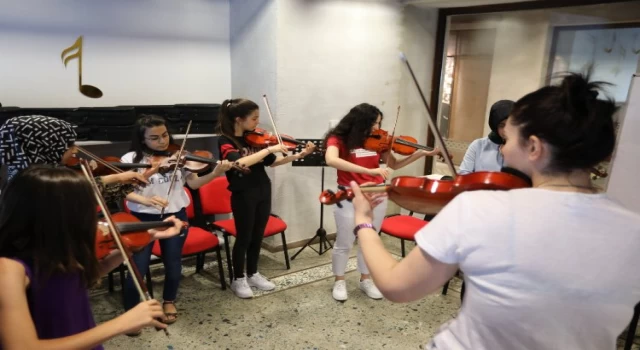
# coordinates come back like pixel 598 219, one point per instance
pixel 328 197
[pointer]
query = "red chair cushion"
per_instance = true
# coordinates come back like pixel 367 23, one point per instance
pixel 215 198
pixel 190 211
pixel 402 226
pixel 227 225
pixel 274 226
pixel 198 240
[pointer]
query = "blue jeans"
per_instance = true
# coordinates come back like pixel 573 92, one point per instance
pixel 171 257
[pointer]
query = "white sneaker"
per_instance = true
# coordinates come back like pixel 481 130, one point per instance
pixel 260 282
pixel 340 290
pixel 370 289
pixel 241 288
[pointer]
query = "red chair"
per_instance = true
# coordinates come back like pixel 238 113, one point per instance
pixel 403 227
pixel 198 243
pixel 215 199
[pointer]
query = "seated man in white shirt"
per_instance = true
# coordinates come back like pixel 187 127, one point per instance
pixel 484 154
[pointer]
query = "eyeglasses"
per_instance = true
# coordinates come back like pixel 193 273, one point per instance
pixel 156 138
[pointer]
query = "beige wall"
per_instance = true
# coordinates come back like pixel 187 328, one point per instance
pixel 520 57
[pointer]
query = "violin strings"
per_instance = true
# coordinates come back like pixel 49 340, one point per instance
pixel 175 171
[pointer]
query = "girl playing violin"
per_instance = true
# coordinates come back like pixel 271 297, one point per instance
pixel 37 139
pixel 546 267
pixel 151 135
pixel 250 193
pixel 48 228
pixel 345 153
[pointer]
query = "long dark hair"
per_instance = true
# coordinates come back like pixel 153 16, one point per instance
pixel 229 111
pixel 48 216
pixel 137 137
pixel 354 128
pixel 571 119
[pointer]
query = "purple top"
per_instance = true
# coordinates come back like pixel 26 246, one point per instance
pixel 59 307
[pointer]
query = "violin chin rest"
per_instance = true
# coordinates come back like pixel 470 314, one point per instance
pixel 517 173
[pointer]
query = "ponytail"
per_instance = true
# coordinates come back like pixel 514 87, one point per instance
pixel 229 111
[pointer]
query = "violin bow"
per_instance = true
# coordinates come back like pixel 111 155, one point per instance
pixel 432 124
pixel 106 164
pixel 275 130
pixel 175 171
pixel 127 255
pixel 100 161
pixel 393 132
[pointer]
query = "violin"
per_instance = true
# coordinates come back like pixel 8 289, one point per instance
pixel 127 255
pixel 102 168
pixel 261 138
pixel 426 196
pixel 380 141
pixel 195 162
pixel 134 233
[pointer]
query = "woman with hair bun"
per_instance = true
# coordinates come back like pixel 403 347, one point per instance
pixel 547 267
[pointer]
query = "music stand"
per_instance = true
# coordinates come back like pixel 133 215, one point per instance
pixel 313 160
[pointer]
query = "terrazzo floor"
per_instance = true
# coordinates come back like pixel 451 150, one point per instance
pixel 299 314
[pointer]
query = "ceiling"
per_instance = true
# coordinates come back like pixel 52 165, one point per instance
pixel 456 3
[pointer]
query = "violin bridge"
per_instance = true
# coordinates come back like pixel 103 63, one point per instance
pixel 104 228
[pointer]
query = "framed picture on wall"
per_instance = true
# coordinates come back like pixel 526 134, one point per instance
pixel 613 50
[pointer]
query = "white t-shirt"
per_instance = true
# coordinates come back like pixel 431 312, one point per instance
pixel 543 269
pixel 159 186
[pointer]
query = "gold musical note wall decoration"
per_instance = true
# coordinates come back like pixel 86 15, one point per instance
pixel 87 90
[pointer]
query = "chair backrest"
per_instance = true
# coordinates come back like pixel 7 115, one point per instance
pixel 191 213
pixel 215 198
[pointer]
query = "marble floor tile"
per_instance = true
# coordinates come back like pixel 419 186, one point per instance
pixel 299 314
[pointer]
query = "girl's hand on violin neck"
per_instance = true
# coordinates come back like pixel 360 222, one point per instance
pixel 155 167
pixel 225 165
pixel 308 149
pixel 156 201
pixel 222 167
pixel 384 172
pixel 278 148
pixel 168 232
pixel 145 314
pixel 131 177
pixel 436 151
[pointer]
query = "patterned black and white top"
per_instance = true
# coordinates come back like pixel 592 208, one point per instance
pixel 34 139
pixel 37 139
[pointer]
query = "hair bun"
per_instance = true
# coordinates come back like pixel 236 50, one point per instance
pixel 572 119
pixel 580 93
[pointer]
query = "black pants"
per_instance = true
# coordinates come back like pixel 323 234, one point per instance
pixel 251 209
